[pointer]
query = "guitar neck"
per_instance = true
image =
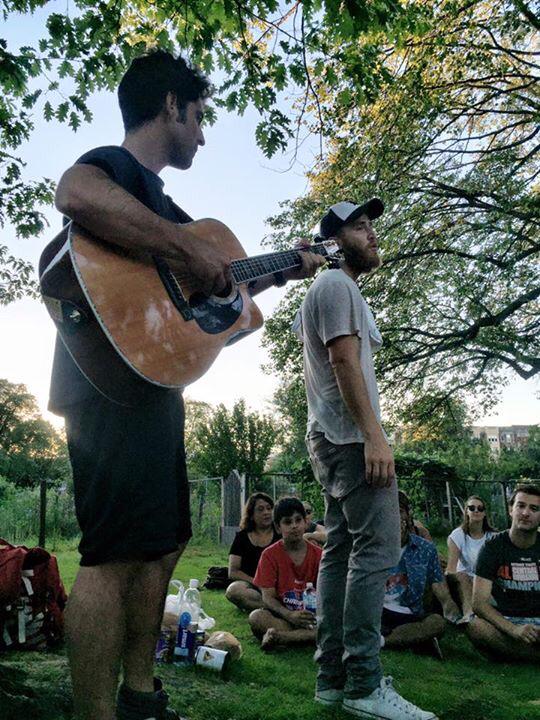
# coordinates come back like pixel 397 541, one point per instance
pixel 253 268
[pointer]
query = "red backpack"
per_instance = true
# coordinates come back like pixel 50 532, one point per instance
pixel 32 598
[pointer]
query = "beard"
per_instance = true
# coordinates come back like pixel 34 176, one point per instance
pixel 361 261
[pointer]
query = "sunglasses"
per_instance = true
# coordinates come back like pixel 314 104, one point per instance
pixel 475 508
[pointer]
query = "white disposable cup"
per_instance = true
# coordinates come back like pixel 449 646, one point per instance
pixel 211 658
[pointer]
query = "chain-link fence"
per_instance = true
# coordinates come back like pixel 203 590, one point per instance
pixel 20 510
pixel 205 501
pixel 440 505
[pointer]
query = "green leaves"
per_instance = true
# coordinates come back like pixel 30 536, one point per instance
pixel 273 134
pixel 30 448
pixel 441 125
pixel 219 440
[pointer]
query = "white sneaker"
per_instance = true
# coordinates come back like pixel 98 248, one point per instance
pixel 385 703
pixel 329 697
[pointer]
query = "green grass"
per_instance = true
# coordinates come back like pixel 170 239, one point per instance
pixel 35 686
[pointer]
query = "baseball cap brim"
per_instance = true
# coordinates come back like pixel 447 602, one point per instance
pixel 373 208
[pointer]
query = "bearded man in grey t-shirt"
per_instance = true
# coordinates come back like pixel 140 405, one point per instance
pixel 354 463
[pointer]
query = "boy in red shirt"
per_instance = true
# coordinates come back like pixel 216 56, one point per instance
pixel 283 572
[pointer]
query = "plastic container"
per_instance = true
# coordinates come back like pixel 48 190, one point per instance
pixel 174 600
pixel 191 602
pixel 212 658
pixel 205 621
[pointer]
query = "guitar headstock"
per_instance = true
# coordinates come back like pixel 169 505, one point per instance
pixel 329 249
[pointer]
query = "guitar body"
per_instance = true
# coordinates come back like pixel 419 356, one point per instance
pixel 134 323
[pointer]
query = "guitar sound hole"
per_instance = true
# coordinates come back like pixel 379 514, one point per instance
pixel 225 293
pixel 197 299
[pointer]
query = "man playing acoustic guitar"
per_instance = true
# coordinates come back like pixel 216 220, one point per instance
pixel 131 489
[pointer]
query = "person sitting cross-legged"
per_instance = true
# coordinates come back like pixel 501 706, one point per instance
pixel 464 545
pixel 506 588
pixel 283 572
pixel 405 622
pixel 256 533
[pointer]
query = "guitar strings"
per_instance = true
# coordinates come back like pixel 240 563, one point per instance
pixel 252 268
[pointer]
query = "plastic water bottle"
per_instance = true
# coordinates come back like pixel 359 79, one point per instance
pixel 191 602
pixel 174 601
pixel 188 619
pixel 184 649
pixel 310 598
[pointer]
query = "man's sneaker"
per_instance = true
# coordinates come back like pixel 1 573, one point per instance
pixel 385 703
pixel 329 697
pixel 133 705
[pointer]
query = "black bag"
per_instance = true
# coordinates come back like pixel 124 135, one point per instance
pixel 217 578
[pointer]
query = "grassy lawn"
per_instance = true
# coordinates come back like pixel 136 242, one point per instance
pixel 279 686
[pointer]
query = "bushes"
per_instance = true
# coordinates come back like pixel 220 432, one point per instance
pixel 19 513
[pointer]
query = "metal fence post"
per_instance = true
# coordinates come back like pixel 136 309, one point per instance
pixel 42 511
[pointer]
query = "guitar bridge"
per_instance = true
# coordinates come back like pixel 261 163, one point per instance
pixel 173 288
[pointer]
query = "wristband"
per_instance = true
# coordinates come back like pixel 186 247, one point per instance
pixel 279 279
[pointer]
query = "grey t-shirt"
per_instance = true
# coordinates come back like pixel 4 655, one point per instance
pixel 334 306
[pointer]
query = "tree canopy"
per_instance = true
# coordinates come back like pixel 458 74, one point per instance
pixel 238 439
pixel 433 106
pixel 30 448
pixel 254 50
pixel 449 139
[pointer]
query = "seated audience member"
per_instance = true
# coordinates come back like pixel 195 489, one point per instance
pixel 283 572
pixel 464 544
pixel 506 588
pixel 417 527
pixel 405 622
pixel 256 533
pixel 314 531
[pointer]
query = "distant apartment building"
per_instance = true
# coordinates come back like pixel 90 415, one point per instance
pixel 507 436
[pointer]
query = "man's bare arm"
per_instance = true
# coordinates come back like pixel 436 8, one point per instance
pixel 88 196
pixel 310 264
pixel 481 602
pixel 235 561
pixel 344 354
pixel 299 618
pixel 442 593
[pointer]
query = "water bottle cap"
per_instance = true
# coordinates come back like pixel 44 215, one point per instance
pixel 185 619
pixel 194 583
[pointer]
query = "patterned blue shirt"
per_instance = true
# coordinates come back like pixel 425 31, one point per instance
pixel 417 569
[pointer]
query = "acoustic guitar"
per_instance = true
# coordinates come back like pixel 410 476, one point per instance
pixel 134 323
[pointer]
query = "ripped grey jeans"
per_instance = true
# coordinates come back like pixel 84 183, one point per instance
pixel 363 544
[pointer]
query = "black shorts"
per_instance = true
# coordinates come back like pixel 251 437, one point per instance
pixel 129 477
pixel 391 620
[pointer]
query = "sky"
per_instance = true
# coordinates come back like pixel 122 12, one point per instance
pixel 230 180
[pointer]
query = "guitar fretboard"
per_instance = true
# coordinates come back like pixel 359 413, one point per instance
pixel 253 268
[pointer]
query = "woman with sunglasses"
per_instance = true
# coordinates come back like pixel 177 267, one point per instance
pixel 464 545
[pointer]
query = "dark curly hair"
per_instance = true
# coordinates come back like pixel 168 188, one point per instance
pixel 247 523
pixel 148 80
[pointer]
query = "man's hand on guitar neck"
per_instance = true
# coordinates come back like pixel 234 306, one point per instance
pixel 310 264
